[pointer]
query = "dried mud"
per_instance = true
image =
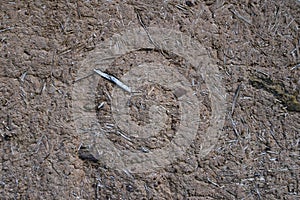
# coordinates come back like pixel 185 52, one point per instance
pixel 42 46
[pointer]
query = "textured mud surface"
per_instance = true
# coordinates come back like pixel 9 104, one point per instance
pixel 257 48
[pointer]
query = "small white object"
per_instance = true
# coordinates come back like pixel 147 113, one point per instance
pixel 101 105
pixel 114 80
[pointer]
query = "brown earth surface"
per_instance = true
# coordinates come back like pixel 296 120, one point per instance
pixel 256 44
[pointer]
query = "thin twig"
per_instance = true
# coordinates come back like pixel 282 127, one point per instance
pixel 236 95
pixel 238 15
pixel 145 28
pixel 23 76
pixel 273 136
pixel 183 8
pixel 83 77
pixel 295 67
pixel 148 191
pixel 234 127
pixel 124 136
pixel 210 181
pixel 101 105
pixel 6 29
pixel 257 192
pixel 114 80
pixel 127 172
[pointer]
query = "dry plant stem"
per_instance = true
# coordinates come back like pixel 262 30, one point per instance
pixel 236 132
pixel 238 15
pixel 145 28
pixel 114 80
pixel 22 78
pixel 296 66
pixel 83 77
pixel 6 29
pixel 124 136
pixel 236 95
pixel 273 136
